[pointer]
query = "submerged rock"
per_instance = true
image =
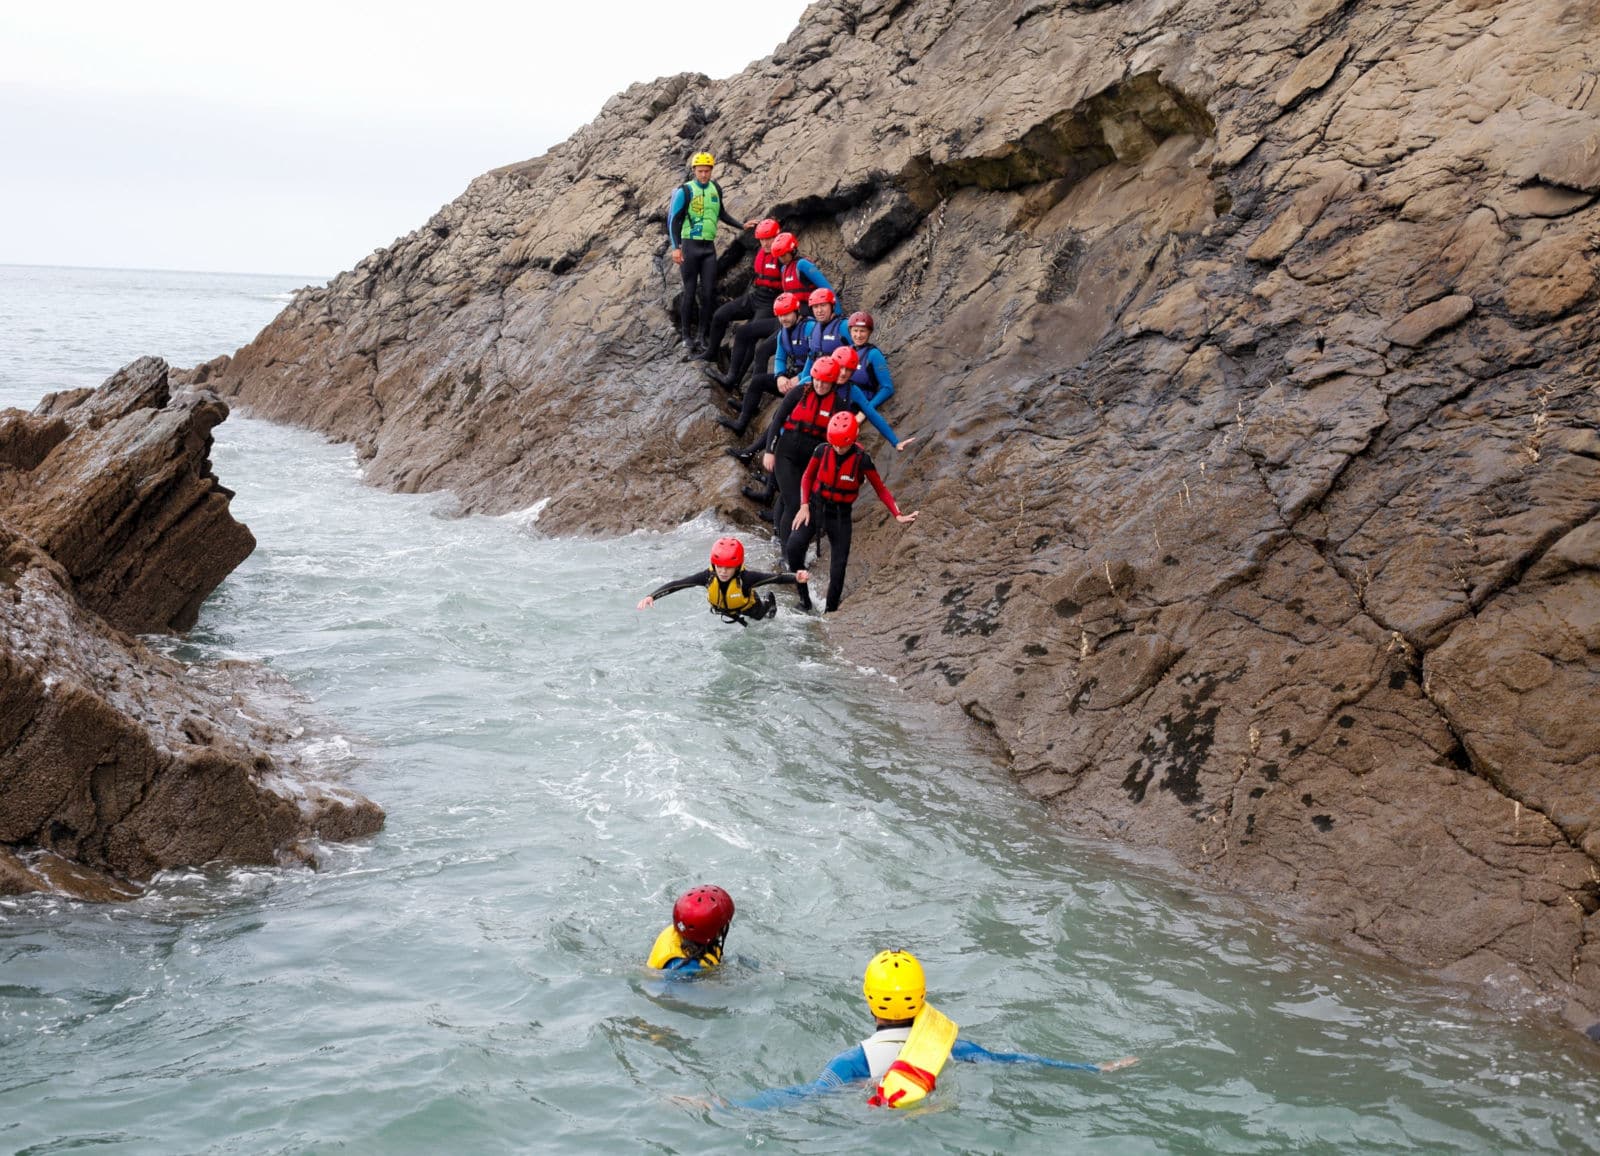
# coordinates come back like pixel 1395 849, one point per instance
pixel 1253 352
pixel 116 762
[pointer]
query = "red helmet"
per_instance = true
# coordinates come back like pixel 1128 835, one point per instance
pixel 786 303
pixel 862 318
pixel 825 369
pixel 846 359
pixel 727 552
pixel 784 244
pixel 703 914
pixel 842 430
pixel 821 297
pixel 767 229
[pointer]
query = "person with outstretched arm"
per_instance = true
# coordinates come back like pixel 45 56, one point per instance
pixel 903 1057
pixel 729 587
pixel 828 492
pixel 696 210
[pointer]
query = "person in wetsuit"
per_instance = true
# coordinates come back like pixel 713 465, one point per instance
pixel 785 375
pixel 796 275
pixel 729 586
pixel 766 282
pixel 896 990
pixel 828 492
pixel 800 425
pixel 871 374
pixel 697 208
pixel 693 941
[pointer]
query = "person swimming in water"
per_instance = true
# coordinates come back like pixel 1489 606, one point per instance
pixel 902 1058
pixel 729 586
pixel 693 941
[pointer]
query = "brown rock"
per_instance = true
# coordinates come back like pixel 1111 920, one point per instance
pixel 1191 536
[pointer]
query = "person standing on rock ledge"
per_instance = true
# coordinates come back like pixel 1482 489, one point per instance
pixel 697 209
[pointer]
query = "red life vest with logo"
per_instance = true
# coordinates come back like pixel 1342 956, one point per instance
pixel 768 280
pixel 811 413
pixel 839 476
pixel 792 282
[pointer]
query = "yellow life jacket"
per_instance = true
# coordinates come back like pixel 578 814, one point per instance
pixel 915 1070
pixel 669 947
pixel 731 598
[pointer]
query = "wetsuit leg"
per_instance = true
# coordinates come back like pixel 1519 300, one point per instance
pixel 699 270
pixel 760 386
pixel 741 308
pixel 794 552
pixel 836 522
pixel 745 347
pixel 788 473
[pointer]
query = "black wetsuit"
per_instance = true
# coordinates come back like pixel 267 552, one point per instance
pixel 791 450
pixel 699 268
pixel 747 579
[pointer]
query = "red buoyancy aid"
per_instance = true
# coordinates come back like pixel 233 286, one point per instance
pixel 839 476
pixel 792 281
pixel 768 280
pixel 811 413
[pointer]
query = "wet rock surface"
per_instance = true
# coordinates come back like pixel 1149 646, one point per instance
pixel 115 761
pixel 1252 349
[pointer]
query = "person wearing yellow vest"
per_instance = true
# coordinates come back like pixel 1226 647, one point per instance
pixel 693 941
pixel 730 588
pixel 697 208
pixel 903 1057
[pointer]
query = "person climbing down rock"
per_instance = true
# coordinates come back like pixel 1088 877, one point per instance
pixel 798 428
pixel 797 276
pixel 697 208
pixel 766 282
pixel 828 491
pixel 729 586
pixel 693 941
pixel 791 356
pixel 904 1056
pixel 871 373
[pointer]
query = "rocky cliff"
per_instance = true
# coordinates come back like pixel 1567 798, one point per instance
pixel 116 762
pixel 1252 350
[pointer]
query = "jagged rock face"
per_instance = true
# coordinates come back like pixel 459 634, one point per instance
pixel 1252 346
pixel 116 762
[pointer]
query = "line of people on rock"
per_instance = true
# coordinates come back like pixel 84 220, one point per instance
pixel 829 378
pixel 902 1058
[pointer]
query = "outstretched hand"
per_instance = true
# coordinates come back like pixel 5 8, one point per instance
pixel 1113 1065
pixel 904 442
pixel 907 519
pixel 646 602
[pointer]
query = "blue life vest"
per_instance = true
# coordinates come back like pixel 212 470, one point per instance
pixel 825 339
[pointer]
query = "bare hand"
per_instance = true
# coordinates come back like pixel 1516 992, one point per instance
pixel 785 384
pixel 802 575
pixel 802 517
pixel 907 518
pixel 1113 1065
pixel 768 461
pixel 752 222
pixel 904 442
pixel 646 602
pixel 677 256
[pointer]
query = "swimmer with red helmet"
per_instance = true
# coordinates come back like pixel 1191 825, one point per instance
pixel 693 940
pixel 729 587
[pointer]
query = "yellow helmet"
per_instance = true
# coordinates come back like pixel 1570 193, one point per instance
pixel 894 985
pixel 701 159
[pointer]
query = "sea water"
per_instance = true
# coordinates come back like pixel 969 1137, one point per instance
pixel 556 767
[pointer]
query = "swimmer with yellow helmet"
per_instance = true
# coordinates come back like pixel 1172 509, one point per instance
pixel 902 1059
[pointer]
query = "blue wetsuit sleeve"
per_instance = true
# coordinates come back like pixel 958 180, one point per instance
pixel 814 275
pixel 856 397
pixel 971 1053
pixel 680 206
pixel 880 370
pixel 781 362
pixel 846 1068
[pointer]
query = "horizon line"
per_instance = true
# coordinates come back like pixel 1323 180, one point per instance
pixel 318 277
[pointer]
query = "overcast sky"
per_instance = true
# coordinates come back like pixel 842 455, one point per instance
pixel 299 136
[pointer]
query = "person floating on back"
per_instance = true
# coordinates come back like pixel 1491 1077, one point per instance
pixel 913 1040
pixel 729 586
pixel 697 208
pixel 693 941
pixel 828 491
